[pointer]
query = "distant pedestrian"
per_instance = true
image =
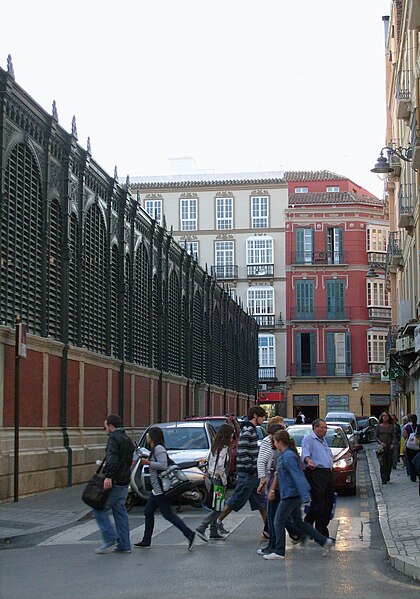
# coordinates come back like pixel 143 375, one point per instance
pixel 119 454
pixel 385 435
pixel 300 418
pixel 246 467
pixel 217 471
pixel 318 460
pixel 294 490
pixel 398 433
pixel 157 462
pixel 411 446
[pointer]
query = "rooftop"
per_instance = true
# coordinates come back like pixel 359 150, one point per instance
pixel 207 180
pixel 313 176
pixel 342 197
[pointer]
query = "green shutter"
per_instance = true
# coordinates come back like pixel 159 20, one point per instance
pixel 348 354
pixel 305 299
pixel 340 241
pixel 298 354
pixel 335 299
pixel 313 353
pixel 330 354
pixel 300 258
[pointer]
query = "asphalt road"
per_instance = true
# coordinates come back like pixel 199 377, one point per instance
pixel 63 565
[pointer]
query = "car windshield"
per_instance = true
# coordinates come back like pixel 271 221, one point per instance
pixel 338 419
pixel 363 422
pixel 334 437
pixel 183 437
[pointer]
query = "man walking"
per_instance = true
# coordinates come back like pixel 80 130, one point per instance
pixel 119 454
pixel 318 459
pixel 246 467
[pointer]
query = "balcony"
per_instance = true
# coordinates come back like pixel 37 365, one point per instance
pixel 394 257
pixel 406 208
pixel 319 258
pixel 415 144
pixel 228 271
pixel 376 368
pixel 391 340
pixel 377 258
pixel 267 373
pixel 382 314
pixel 326 369
pixel 265 321
pixel 315 313
pixel 414 15
pixel 260 271
pixel 403 95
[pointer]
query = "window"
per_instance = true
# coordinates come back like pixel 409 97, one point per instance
pixel 260 300
pixel 259 250
pixel 259 212
pixel 224 213
pixel 225 258
pixel 304 299
pixel 377 295
pixel 335 299
pixel 304 245
pixel 333 189
pixel 376 239
pixel 305 354
pixel 301 190
pixel 266 351
pixel 338 354
pixel 188 214
pixel 192 249
pixel 335 245
pixel 376 346
pixel 154 209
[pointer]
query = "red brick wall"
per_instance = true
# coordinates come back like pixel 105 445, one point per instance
pixel 72 393
pixel 95 402
pixel 54 390
pixel 141 402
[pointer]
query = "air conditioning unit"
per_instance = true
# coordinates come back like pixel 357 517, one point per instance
pixel 385 375
pixel 262 387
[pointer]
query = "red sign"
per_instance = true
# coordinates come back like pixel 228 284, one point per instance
pixel 270 396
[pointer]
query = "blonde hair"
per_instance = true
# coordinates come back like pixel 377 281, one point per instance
pixel 275 420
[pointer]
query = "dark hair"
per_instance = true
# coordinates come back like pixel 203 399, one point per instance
pixel 256 410
pixel 285 438
pixel 114 420
pixel 156 435
pixel 390 420
pixel 413 419
pixel 223 438
pixel 273 428
pixel 317 422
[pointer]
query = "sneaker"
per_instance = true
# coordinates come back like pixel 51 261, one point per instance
pixel 328 545
pixel 222 530
pixel 106 547
pixel 116 550
pixel 264 551
pixel 191 541
pixel 273 556
pixel 142 544
pixel 201 535
pixel 216 537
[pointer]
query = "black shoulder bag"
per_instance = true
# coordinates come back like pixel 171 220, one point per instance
pixel 94 494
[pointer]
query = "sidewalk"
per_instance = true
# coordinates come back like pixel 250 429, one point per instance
pixel 399 516
pixel 44 511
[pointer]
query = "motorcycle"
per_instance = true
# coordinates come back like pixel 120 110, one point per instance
pixel 140 486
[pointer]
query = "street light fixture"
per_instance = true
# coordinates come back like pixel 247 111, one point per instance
pixel 383 166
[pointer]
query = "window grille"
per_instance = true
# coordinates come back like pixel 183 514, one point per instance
pixel 231 356
pixel 155 336
pixel 184 336
pixel 173 324
pixel 55 271
pixel 73 275
pixel 114 300
pixel 141 307
pixel 197 338
pixel 217 350
pixel 127 331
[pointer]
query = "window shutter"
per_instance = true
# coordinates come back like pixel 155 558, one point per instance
pixel 348 354
pixel 300 256
pixel 340 244
pixel 298 354
pixel 305 299
pixel 330 354
pixel 313 353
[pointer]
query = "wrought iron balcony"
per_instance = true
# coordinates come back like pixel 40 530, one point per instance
pixel 415 143
pixel 330 257
pixel 391 340
pixel 403 95
pixel 394 257
pixel 406 208
pixel 311 313
pixel 260 270
pixel 227 271
pixel 267 373
pixel 317 369
pixel 265 321
pixel 377 258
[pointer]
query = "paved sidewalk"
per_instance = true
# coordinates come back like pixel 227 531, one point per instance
pixel 399 516
pixel 44 511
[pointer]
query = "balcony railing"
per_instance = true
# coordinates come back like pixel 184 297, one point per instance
pixel 406 208
pixel 376 368
pixel 330 257
pixel 267 373
pixel 391 340
pixel 325 369
pixel 228 271
pixel 260 270
pixel 380 313
pixel 394 253
pixel 319 313
pixel 415 143
pixel 265 321
pixel 377 258
pixel 403 95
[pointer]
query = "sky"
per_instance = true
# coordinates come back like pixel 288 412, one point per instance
pixel 238 85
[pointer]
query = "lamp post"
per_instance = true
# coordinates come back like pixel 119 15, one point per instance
pixel 383 166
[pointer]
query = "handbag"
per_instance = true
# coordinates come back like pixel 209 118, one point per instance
pixel 210 484
pixel 173 480
pixel 380 453
pixel 94 494
pixel 218 500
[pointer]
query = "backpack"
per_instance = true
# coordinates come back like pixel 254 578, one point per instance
pixel 413 441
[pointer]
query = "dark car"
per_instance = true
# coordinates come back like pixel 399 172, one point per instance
pixel 367 428
pixel 345 459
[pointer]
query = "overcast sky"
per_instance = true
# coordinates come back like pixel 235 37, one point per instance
pixel 238 85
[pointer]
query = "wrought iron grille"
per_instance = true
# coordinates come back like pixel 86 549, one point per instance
pixel 174 305
pixel 114 300
pixel 197 356
pixel 54 271
pixel 74 266
pixel 217 338
pixel 141 307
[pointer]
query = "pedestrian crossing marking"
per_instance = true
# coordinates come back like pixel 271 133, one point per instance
pixel 364 504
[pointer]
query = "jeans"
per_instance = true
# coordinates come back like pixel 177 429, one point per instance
pixel 272 507
pixel 246 490
pixel 116 503
pixel 290 508
pixel 159 501
pixel 209 520
pixel 410 454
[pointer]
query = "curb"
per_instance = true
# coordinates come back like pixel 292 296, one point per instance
pixel 401 563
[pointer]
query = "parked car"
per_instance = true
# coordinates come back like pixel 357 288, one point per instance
pixel 289 422
pixel 352 435
pixel 216 422
pixel 367 428
pixel 345 458
pixel 342 417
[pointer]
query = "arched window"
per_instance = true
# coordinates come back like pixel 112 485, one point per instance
pixel 55 271
pixel 141 307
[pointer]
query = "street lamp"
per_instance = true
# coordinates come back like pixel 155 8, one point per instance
pixel 383 166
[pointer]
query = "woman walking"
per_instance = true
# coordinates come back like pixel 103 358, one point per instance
pixel 411 446
pixel 157 462
pixel 294 490
pixel 217 472
pixel 385 435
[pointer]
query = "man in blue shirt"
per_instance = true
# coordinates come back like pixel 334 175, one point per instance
pixel 318 459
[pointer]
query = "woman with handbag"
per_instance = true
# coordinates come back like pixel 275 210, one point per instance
pixel 158 462
pixel 217 474
pixel 385 435
pixel 411 446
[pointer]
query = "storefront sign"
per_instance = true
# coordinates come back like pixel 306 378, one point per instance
pixel 380 400
pixel 305 400
pixel 270 396
pixel 337 402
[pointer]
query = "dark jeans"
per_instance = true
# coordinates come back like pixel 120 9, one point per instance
pixel 272 507
pixel 386 464
pixel 322 498
pixel 290 508
pixel 159 501
pixel 409 455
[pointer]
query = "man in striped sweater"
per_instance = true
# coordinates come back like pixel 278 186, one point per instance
pixel 246 467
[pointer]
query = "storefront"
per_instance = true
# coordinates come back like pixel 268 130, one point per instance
pixel 379 404
pixel 273 403
pixel 337 403
pixel 308 404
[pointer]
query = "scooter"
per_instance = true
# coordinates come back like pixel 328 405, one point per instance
pixel 140 486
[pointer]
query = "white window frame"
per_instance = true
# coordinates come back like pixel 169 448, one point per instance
pixel 192 248
pixel 259 250
pixel 376 346
pixel 301 189
pixel 260 212
pixel 261 301
pixel 224 256
pixel 267 353
pixel 224 212
pixel 188 214
pixel 154 209
pixel 377 295
pixel 332 189
pixel 376 239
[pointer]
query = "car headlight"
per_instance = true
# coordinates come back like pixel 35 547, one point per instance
pixel 343 463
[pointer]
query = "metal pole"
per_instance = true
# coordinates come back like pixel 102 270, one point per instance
pixel 16 444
